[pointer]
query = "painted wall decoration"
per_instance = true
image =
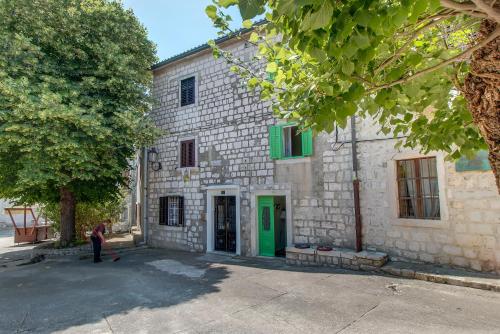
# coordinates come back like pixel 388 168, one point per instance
pixel 479 162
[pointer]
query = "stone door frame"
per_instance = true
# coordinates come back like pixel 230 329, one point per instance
pixel 222 190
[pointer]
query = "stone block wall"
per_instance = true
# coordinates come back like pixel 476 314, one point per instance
pixel 468 233
pixel 230 126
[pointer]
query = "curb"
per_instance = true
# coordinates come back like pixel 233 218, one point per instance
pixel 469 282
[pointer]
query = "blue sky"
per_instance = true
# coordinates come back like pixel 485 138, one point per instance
pixel 177 25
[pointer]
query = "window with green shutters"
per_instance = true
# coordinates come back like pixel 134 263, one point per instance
pixel 286 141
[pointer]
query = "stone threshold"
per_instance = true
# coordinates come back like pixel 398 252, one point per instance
pixel 444 275
pixel 338 257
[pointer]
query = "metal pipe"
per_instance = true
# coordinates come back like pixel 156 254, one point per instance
pixel 355 184
pixel 144 194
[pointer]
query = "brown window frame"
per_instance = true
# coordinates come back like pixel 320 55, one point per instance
pixel 418 212
pixel 187 153
pixel 165 208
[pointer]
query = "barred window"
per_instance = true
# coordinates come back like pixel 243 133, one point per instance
pixel 172 210
pixel 188 153
pixel 418 191
pixel 187 91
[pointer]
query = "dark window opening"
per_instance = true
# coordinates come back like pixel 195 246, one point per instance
pixel 292 142
pixel 187 91
pixel 172 210
pixel 418 192
pixel 188 153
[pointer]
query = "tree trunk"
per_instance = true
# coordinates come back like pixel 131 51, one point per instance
pixel 481 89
pixel 68 209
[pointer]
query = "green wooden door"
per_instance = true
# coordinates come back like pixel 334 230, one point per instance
pixel 266 226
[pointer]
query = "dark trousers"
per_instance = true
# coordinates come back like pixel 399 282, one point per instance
pixel 96 246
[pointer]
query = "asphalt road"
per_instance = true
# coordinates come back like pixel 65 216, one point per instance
pixel 158 291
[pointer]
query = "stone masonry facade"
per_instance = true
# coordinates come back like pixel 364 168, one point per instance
pixel 231 129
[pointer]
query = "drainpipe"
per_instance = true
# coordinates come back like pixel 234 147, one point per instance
pixel 355 184
pixel 144 194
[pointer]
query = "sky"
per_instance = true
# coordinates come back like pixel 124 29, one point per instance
pixel 177 25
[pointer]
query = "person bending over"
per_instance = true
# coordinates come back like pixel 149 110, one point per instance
pixel 97 238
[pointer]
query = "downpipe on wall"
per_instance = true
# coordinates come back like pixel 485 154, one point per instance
pixel 144 194
pixel 355 184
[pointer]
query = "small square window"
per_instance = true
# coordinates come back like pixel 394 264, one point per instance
pixel 418 191
pixel 292 142
pixel 188 153
pixel 187 91
pixel 172 210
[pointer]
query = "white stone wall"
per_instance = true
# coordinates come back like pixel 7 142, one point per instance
pixel 230 126
pixel 468 233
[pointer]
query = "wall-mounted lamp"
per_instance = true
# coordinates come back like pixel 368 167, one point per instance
pixel 153 159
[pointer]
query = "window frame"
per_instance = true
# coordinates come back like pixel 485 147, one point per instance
pixel 164 210
pixel 303 156
pixel 420 194
pixel 392 192
pixel 179 90
pixel 284 139
pixel 179 152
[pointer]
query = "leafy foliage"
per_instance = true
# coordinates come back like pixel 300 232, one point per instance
pixel 74 93
pixel 88 215
pixel 400 62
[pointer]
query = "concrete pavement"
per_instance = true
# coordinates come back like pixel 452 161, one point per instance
pixel 159 291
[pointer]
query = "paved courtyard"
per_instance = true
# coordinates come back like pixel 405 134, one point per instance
pixel 160 291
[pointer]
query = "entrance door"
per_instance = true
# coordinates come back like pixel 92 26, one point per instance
pixel 266 226
pixel 225 223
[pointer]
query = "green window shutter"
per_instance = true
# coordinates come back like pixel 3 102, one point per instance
pixel 275 142
pixel 307 143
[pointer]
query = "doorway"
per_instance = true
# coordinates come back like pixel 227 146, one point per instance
pixel 225 223
pixel 272 225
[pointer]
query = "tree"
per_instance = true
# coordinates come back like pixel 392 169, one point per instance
pixel 74 93
pixel 427 70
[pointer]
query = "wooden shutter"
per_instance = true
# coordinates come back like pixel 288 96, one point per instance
pixel 163 214
pixel 183 154
pixel 275 142
pixel 307 143
pixel 180 204
pixel 188 153
pixel 187 91
pixel 191 156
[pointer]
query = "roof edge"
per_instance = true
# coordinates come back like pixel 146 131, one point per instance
pixel 205 46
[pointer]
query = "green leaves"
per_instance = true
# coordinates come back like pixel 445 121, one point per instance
pixel 251 8
pixel 211 11
pixel 247 24
pixel 336 59
pixel 76 114
pixel 271 67
pixel 322 17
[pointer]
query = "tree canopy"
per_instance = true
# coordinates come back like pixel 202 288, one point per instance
pixel 404 63
pixel 74 93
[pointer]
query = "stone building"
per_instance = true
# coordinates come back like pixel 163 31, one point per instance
pixel 228 176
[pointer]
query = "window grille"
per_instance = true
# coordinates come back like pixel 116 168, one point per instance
pixel 172 210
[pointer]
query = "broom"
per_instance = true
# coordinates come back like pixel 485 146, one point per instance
pixel 111 252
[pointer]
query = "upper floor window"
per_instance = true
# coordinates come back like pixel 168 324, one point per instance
pixel 172 210
pixel 188 153
pixel 287 141
pixel 187 91
pixel 418 192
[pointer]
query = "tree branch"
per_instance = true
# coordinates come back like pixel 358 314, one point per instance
pixel 464 54
pixel 492 11
pixel 460 6
pixel 415 34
